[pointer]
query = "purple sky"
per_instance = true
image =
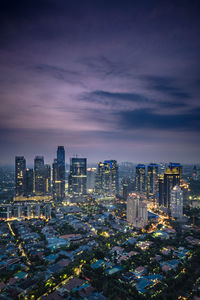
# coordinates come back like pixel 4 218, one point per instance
pixel 106 79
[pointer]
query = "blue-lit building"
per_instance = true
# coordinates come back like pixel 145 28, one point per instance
pixel 167 181
pixel 107 179
pixel 152 182
pixel 140 178
pixel 78 176
pixel 59 174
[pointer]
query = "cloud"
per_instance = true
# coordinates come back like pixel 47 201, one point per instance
pixel 166 85
pixel 149 119
pixel 58 73
pixel 114 98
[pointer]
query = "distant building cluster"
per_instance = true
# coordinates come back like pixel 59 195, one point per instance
pixel 154 185
pixel 159 187
pixel 25 210
pixel 44 180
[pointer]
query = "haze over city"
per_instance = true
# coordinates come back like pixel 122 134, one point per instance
pixel 106 79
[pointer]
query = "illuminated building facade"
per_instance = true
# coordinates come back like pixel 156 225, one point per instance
pixel 20 175
pixel 172 177
pixel 127 187
pixel 59 175
pixel 29 179
pixel 25 210
pixel 99 179
pixel 91 176
pixel 61 170
pixel 47 179
pixel 140 178
pixel 39 182
pixel 136 210
pixel 176 203
pixel 56 182
pixel 78 176
pixel 107 179
pixel 152 182
pixel 161 190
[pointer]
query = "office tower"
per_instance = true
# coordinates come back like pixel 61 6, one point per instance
pixel 78 176
pixel 172 177
pixel 29 179
pixel 99 179
pixel 39 175
pixel 107 180
pixel 20 173
pixel 111 180
pixel 161 190
pixel 56 182
pixel 152 182
pixel 61 170
pixel 136 210
pixel 91 176
pixel 47 179
pixel 176 203
pixel 127 187
pixel 140 181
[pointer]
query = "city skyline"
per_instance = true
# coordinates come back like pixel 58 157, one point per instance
pixel 106 79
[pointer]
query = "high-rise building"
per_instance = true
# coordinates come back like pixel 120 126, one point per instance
pixel 20 174
pixel 176 203
pixel 99 179
pixel 56 182
pixel 91 175
pixel 161 190
pixel 29 179
pixel 172 177
pixel 59 175
pixel 107 179
pixel 61 169
pixel 47 179
pixel 136 210
pixel 127 187
pixel 152 182
pixel 78 176
pixel 140 179
pixel 39 182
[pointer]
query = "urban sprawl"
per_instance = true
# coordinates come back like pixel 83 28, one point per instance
pixel 106 231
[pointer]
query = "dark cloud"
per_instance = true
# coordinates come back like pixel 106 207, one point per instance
pixel 148 119
pixel 110 98
pixel 102 76
pixel 167 85
pixel 58 73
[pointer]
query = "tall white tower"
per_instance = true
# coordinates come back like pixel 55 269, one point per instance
pixel 176 204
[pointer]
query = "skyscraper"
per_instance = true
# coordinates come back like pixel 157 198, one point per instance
pixel 176 203
pixel 91 175
pixel 152 182
pixel 39 183
pixel 61 169
pixel 78 176
pixel 136 210
pixel 107 180
pixel 99 179
pixel 29 179
pixel 56 182
pixel 172 177
pixel 140 178
pixel 127 187
pixel 20 173
pixel 47 179
pixel 59 175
